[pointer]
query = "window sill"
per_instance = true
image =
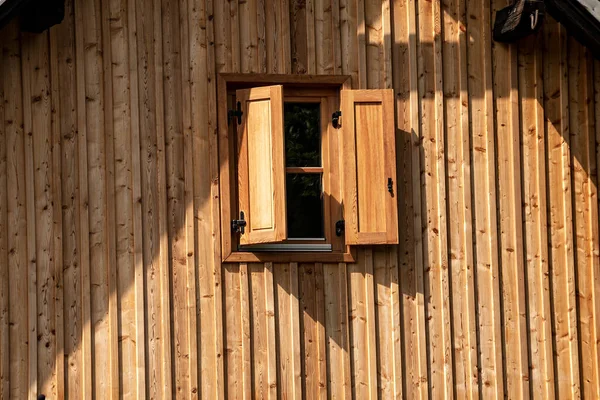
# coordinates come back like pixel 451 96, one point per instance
pixel 286 257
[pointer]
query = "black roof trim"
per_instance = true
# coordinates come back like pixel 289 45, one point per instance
pixel 10 9
pixel 36 15
pixel 579 21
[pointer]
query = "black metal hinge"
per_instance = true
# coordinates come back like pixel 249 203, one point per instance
pixel 238 225
pixel 340 227
pixel 335 119
pixel 237 113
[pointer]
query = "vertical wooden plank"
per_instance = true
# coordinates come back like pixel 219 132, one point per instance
pixel 454 48
pixel 233 331
pixel 184 341
pixel 585 210
pixel 204 129
pixel 348 27
pixel 161 184
pixel 235 32
pixel 387 328
pixel 32 351
pixel 373 41
pixel 258 333
pixel 198 72
pixel 533 137
pixel 561 254
pixel 510 217
pixel 223 29
pixel 16 207
pixel 261 22
pixel 310 37
pixel 124 230
pixel 216 304
pixel 284 64
pixel 298 33
pixel 155 252
pixel 324 36
pixel 386 45
pixel 336 39
pixel 57 216
pixel 110 221
pixel 249 61
pixel 434 200
pixel 335 286
pixel 410 250
pixel 190 243
pixel 363 351
pixel 138 319
pixel 262 334
pixel 312 326
pixel 271 348
pixel 479 63
pixel 596 228
pixel 247 357
pixel 84 222
pixel 71 266
pixel 95 102
pixel 320 330
pixel 4 276
pixel 43 260
pixel 361 43
pixel 287 329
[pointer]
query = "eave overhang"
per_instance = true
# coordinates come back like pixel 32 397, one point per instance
pixel 581 18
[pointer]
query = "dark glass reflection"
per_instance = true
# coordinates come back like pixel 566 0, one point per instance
pixel 304 206
pixel 302 125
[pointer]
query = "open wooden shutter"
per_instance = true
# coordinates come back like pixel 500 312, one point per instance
pixel 261 165
pixel 369 173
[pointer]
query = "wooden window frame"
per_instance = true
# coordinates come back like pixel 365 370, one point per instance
pixel 295 85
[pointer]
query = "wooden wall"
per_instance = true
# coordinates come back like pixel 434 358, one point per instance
pixel 110 277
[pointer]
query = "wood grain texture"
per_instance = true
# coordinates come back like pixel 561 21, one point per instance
pixel 368 153
pixel 16 203
pixel 261 161
pixel 479 62
pixel 111 275
pixel 535 216
pixel 4 277
pixel 504 59
pixel 556 104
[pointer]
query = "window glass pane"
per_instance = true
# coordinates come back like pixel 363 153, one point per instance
pixel 304 206
pixel 302 125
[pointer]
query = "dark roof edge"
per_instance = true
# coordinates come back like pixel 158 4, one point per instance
pixel 10 9
pixel 579 21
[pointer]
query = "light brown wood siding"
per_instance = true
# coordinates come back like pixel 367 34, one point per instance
pixel 111 283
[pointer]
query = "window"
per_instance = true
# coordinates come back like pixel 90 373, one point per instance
pixel 299 186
